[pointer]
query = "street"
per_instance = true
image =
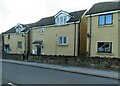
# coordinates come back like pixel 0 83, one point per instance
pixel 22 74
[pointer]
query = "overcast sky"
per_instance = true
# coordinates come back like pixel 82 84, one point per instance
pixel 30 11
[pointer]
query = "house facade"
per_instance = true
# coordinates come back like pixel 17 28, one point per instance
pixel 16 39
pixel 103 29
pixel 61 34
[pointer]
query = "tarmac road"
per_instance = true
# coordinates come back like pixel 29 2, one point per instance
pixel 22 74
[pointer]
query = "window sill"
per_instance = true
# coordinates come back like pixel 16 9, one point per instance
pixel 102 26
pixel 63 44
pixel 57 25
pixel 101 53
pixel 41 33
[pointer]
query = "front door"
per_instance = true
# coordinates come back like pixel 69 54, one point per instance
pixel 7 48
pixel 39 50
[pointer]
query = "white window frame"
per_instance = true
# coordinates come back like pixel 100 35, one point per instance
pixel 62 41
pixel 64 20
pixel 19 44
pixel 42 30
pixel 104 49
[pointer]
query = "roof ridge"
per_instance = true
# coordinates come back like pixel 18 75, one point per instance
pixel 78 11
pixel 107 2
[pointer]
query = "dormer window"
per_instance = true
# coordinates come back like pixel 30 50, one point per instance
pixel 19 28
pixel 61 20
pixel 62 17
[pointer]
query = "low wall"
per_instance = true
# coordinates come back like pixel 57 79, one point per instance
pixel 82 61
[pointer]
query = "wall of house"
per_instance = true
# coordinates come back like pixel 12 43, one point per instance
pixel 14 38
pixel 83 35
pixel 107 33
pixel 50 39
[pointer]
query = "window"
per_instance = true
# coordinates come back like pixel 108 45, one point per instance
pixel 61 20
pixel 65 19
pixel 104 47
pixel 19 44
pixel 8 36
pixel 42 30
pixel 105 19
pixel 63 40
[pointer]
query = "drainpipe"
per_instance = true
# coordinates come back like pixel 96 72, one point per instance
pixel 90 36
pixel 25 42
pixel 56 46
pixel 75 39
pixel 28 42
pixel 78 49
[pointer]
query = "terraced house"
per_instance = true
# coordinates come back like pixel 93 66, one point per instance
pixel 103 31
pixel 61 34
pixel 16 39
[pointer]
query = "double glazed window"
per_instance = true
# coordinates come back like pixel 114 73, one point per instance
pixel 61 20
pixel 19 44
pixel 42 30
pixel 8 36
pixel 105 19
pixel 104 47
pixel 63 40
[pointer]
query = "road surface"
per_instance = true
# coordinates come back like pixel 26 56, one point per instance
pixel 22 74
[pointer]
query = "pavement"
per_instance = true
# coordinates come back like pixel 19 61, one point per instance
pixel 80 70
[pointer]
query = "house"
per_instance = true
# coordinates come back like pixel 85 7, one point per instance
pixel 103 29
pixel 61 34
pixel 16 39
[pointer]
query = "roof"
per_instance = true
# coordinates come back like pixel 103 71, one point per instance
pixel 104 7
pixel 76 16
pixel 46 21
pixel 37 42
pixel 51 20
pixel 13 30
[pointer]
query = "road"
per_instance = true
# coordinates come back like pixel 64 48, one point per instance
pixel 22 74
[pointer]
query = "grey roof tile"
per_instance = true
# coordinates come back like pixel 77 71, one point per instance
pixel 49 21
pixel 104 7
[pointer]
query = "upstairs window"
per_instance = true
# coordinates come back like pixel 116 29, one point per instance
pixel 61 20
pixel 63 40
pixel 19 44
pixel 105 19
pixel 104 47
pixel 41 30
pixel 8 36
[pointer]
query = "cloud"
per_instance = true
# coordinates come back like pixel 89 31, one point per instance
pixel 3 11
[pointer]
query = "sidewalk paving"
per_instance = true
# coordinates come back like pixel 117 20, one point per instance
pixel 80 70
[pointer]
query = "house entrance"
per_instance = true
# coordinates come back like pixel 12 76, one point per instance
pixel 7 48
pixel 39 46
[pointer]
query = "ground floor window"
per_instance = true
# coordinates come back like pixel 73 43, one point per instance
pixel 104 47
pixel 63 40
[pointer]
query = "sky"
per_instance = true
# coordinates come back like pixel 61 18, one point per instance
pixel 13 12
